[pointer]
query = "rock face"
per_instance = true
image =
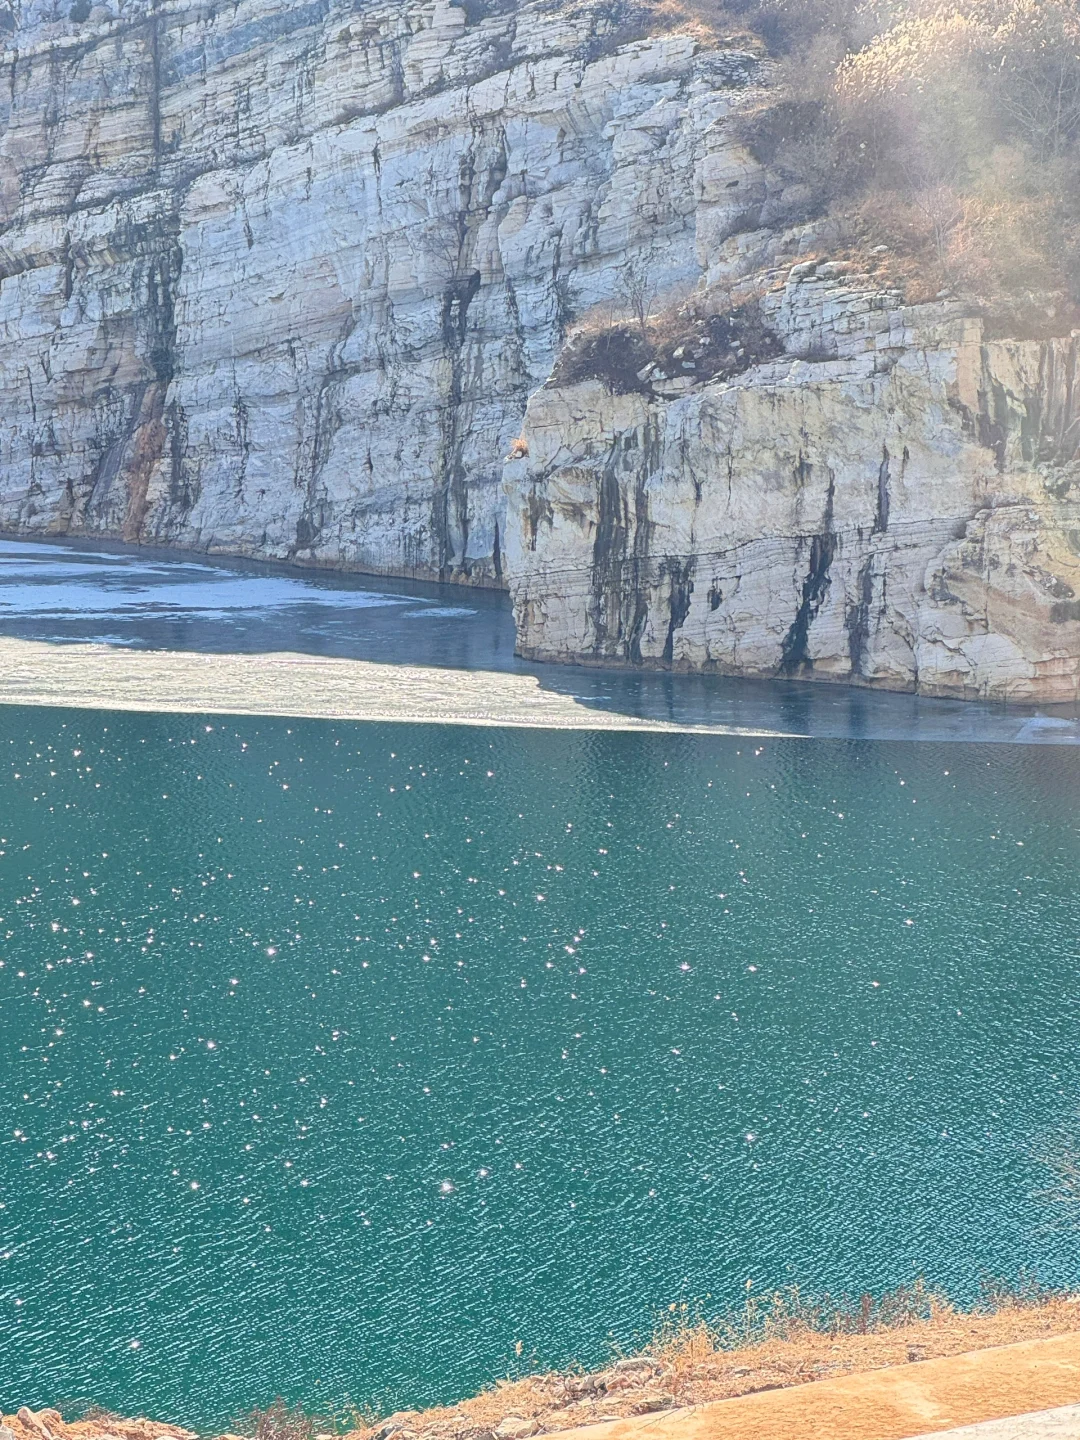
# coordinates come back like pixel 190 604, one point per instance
pixel 894 502
pixel 278 278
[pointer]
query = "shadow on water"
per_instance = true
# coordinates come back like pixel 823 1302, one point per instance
pixel 82 592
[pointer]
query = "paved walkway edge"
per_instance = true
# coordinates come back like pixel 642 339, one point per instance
pixel 1060 1424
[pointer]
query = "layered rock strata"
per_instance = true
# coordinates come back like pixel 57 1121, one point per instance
pixel 895 502
pixel 279 280
pixel 276 279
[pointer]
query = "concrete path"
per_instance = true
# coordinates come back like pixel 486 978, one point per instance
pixel 1060 1424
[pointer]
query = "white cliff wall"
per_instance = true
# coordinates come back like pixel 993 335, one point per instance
pixel 901 508
pixel 277 279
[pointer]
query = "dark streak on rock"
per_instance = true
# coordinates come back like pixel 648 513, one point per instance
pixel 69 269
pixel 1056 440
pixel 154 98
pixel 113 496
pixel 619 606
pixel 682 588
pixel 794 652
pixel 183 489
pixel 450 507
pixel 881 518
pixel 538 508
pixel 857 620
pixel 992 420
pixel 496 554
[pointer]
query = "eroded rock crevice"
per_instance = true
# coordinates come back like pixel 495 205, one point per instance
pixel 795 646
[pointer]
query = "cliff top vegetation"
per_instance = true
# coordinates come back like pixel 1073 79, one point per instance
pixel 946 130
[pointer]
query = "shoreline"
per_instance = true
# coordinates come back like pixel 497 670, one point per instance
pixel 377 667
pixel 967 1366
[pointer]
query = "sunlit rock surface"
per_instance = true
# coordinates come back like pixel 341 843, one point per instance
pixel 893 502
pixel 278 279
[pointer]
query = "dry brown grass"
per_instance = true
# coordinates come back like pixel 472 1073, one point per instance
pixel 782 1341
pixel 710 22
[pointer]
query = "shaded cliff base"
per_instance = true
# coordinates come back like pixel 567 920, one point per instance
pixel 782 1343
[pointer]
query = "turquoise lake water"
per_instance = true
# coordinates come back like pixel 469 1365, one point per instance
pixel 339 1060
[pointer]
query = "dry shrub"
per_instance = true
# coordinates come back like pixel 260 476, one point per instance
pixel 947 130
pixel 1000 243
pixel 789 136
pixel 792 27
pixel 649 350
pixel 1026 1292
pixel 281 1421
pixel 684 1338
pixel 1033 52
pixel 787 1331
pixel 775 27
pixel 611 352
pixel 712 22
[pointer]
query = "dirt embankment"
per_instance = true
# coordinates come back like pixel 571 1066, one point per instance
pixel 691 1368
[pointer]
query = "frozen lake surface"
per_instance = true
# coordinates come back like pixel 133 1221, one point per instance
pixel 77 593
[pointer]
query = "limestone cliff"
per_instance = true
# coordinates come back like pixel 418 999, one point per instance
pixel 894 501
pixel 278 278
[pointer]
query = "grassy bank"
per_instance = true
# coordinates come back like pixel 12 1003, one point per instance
pixel 779 1341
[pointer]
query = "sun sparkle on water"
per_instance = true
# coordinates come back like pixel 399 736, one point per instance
pixel 358 1026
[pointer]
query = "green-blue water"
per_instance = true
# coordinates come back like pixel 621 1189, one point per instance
pixel 338 1060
